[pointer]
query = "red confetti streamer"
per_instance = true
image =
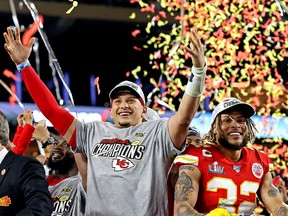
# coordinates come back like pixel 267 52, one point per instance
pixel 10 74
pixel 105 114
pixel 12 99
pixel 136 32
pixel 32 30
pixel 96 82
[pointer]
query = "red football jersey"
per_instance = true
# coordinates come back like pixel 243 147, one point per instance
pixel 225 183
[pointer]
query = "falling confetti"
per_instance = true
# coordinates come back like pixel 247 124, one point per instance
pixel 246 43
pixel 32 30
pixel 96 82
pixel 75 4
pixel 10 74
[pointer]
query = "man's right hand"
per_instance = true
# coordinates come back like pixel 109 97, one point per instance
pixel 14 47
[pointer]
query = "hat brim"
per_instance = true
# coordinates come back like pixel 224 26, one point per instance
pixel 123 89
pixel 193 133
pixel 244 108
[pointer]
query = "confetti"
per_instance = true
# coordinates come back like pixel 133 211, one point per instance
pixel 32 30
pixel 245 43
pixel 135 32
pixel 75 4
pixel 132 16
pixel 10 74
pixel 96 82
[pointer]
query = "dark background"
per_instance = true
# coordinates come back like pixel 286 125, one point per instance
pixel 83 46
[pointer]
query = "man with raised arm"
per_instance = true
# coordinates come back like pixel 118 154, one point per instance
pixel 128 161
pixel 226 176
pixel 23 186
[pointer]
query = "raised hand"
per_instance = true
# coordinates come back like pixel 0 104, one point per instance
pixel 41 133
pixel 20 120
pixel 14 47
pixel 196 49
pixel 28 116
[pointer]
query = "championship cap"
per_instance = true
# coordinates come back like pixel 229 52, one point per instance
pixel 151 115
pixel 233 104
pixel 193 131
pixel 127 86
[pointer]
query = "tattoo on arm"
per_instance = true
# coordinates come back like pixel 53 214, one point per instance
pixel 272 192
pixel 184 186
pixel 186 167
pixel 281 211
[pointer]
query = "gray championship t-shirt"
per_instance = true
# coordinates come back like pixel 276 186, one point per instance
pixel 68 197
pixel 127 167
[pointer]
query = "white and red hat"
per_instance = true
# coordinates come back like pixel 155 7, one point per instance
pixel 127 86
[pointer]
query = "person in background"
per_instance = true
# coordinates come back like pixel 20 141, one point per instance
pixel 194 137
pixel 42 134
pixel 65 183
pixel 226 177
pixel 24 134
pixel 128 161
pixel 23 186
pixel 24 131
pixel 151 115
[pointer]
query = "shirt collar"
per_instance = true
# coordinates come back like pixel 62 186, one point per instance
pixel 3 153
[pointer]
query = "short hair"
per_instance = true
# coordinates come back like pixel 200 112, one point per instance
pixel 4 129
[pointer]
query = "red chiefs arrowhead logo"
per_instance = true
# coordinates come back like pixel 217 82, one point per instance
pixel 121 163
pixel 5 201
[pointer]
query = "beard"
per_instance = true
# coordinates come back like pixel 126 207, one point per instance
pixel 224 142
pixel 62 166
